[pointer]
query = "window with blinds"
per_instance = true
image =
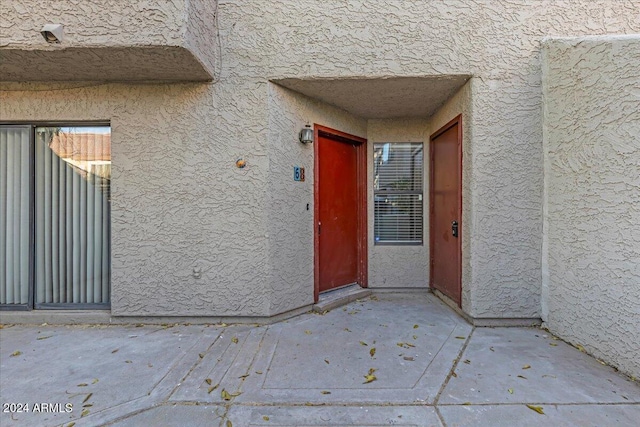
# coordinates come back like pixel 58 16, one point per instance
pixel 55 217
pixel 398 193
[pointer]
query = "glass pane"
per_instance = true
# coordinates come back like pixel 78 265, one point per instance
pixel 15 191
pixel 398 171
pixel 398 166
pixel 398 218
pixel 72 214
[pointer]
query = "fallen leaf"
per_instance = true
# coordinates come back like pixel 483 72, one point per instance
pixel 461 338
pixel 553 344
pixel 354 312
pixel 453 374
pixel 95 380
pixel 491 348
pixel 510 391
pixel 223 324
pixel 308 332
pixel 87 405
pixel 265 418
pixel 201 355
pixel 116 350
pixel 16 353
pixel 372 352
pixel 347 329
pixel 84 413
pixel 581 348
pixel 325 392
pixel 229 424
pixel 139 325
pixel 326 361
pixel 415 326
pixel 43 338
pixel 467 403
pixel 467 361
pixel 415 337
pixel 526 367
pixel 82 385
pixel 408 358
pixel 224 394
pixel 243 377
pixel 128 361
pixel 369 378
pixel 71 424
pixel 522 376
pixel 538 409
pixel 363 343
pixel 87 398
pixel 405 344
pixel 208 381
pixel 234 340
pixel 259 372
pixel 210 389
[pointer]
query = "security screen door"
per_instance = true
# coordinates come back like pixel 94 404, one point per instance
pixel 55 216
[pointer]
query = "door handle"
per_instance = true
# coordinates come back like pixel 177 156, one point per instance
pixel 454 228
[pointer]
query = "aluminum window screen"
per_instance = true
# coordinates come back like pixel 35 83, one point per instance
pixel 397 193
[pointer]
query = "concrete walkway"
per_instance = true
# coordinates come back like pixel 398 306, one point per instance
pixel 401 360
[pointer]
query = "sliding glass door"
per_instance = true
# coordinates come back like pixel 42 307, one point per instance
pixel 56 230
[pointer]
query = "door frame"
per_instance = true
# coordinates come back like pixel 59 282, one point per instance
pixel 455 121
pixel 361 188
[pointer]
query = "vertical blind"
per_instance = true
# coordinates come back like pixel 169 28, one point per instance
pixel 398 193
pixel 71 217
pixel 15 195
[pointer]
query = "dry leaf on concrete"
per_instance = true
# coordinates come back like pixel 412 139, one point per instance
pixel 538 409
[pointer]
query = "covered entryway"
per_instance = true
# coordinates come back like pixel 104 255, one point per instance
pixel 341 232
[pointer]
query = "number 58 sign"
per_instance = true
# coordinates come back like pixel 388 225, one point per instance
pixel 298 173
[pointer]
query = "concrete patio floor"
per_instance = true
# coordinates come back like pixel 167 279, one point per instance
pixel 428 367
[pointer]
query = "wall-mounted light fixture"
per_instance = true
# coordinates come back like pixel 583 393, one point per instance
pixel 52 33
pixel 306 135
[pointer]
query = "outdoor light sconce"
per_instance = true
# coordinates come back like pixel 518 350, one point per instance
pixel 306 135
pixel 52 33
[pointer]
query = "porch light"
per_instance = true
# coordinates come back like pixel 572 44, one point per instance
pixel 306 135
pixel 52 33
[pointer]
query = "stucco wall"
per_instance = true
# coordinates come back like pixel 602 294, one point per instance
pixel 160 37
pixel 398 266
pixel 289 224
pixel 180 203
pixel 592 195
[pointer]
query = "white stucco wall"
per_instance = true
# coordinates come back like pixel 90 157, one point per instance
pixel 179 202
pixel 592 195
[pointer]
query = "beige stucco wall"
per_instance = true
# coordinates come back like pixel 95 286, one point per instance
pixel 289 225
pixel 109 40
pixel 398 266
pixel 179 203
pixel 591 252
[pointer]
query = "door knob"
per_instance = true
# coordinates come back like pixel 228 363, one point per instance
pixel 454 228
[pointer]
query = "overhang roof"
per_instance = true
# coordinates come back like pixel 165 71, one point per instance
pixel 379 98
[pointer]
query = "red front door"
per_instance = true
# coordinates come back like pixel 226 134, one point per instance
pixel 445 212
pixel 338 220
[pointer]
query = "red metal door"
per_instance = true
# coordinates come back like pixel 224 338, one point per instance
pixel 445 210
pixel 338 213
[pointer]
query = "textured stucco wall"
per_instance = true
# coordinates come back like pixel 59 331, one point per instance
pixel 398 266
pixel 289 224
pixel 159 36
pixel 179 202
pixel 592 195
